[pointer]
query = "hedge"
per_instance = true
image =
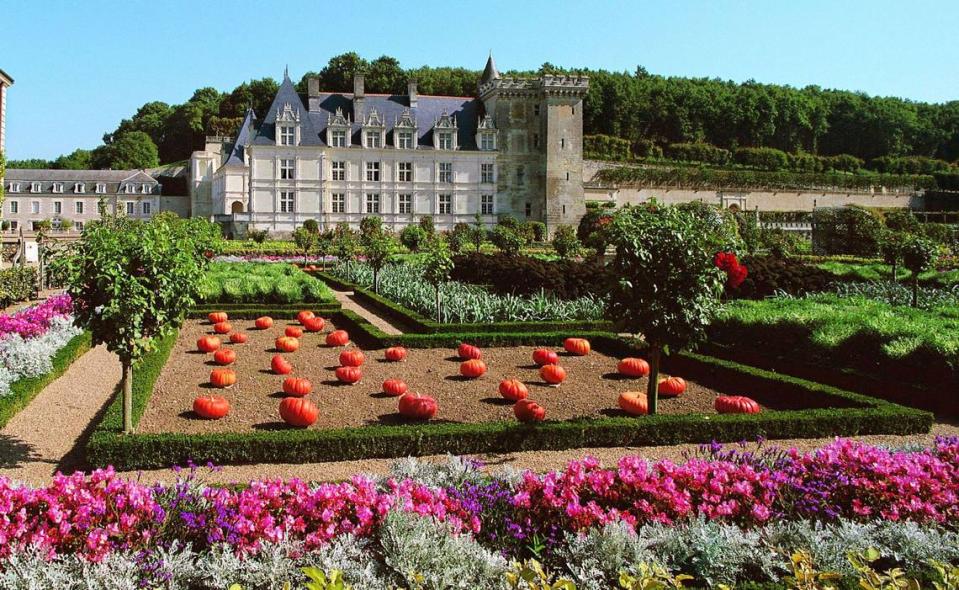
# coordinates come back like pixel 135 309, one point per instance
pixel 847 414
pixel 24 390
pixel 254 310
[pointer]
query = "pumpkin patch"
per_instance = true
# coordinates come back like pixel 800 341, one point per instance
pixel 671 386
pixel 208 344
pixel 513 390
pixel 352 358
pixel 544 356
pixel 633 367
pixel 222 378
pixel 293 332
pixel 394 387
pixel 736 404
pixel 349 375
pixel 469 352
pixel 314 324
pixel 577 346
pixel 223 328
pixel 297 386
pixel 298 411
pixel 527 410
pixel 634 403
pixel 280 365
pixel 338 338
pixel 238 338
pixel 552 374
pixel 217 317
pixel 224 356
pixel 263 323
pixel 287 344
pixel 417 407
pixel 211 407
pixel 473 369
pixel 395 354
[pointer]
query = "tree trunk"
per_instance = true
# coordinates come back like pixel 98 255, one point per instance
pixel 439 317
pixel 652 388
pixel 895 272
pixel 915 289
pixel 127 382
pixel 376 282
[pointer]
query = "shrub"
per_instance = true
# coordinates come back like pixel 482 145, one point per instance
pixel 769 275
pixel 260 282
pixel 524 275
pixel 803 162
pixel 311 226
pixel 538 230
pixel 846 230
pixel 844 163
pixel 605 147
pixel 17 284
pixel 459 237
pixel 506 239
pixel 565 241
pixel 762 158
pixel 257 235
pixel 698 152
pixel 509 221
pixel 909 165
pixel 426 224
pixel 646 148
pixel 413 237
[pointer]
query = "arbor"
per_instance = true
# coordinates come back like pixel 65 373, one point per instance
pixel 668 287
pixel 437 266
pixel 131 281
pixel 918 254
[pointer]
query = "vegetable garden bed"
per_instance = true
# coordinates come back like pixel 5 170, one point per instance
pixel 358 422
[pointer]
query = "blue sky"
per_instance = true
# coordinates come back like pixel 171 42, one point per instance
pixel 81 66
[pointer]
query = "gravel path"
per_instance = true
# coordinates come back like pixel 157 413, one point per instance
pixel 47 435
pixel 349 301
pixel 539 461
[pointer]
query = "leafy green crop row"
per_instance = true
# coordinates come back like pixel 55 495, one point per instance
pixel 256 282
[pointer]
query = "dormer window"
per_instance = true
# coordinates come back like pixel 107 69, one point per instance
pixel 338 129
pixel 486 134
pixel 101 188
pixel 287 125
pixel 58 187
pixel 146 189
pixel 373 139
pixel 404 140
pixel 487 142
pixel 287 135
pixel 444 132
pixel 129 189
pixel 446 140
pixel 14 187
pixel 373 130
pixel 34 187
pixel 404 131
pixel 79 188
pixel 338 138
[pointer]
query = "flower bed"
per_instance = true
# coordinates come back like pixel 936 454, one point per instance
pixel 724 516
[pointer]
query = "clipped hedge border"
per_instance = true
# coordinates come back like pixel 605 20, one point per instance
pixel 253 311
pixel 855 415
pixel 24 390
pixel 408 318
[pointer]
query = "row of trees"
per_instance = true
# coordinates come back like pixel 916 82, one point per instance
pixel 643 108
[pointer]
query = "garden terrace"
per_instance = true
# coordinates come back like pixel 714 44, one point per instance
pixel 359 423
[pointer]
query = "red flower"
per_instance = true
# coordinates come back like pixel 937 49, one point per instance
pixel 735 273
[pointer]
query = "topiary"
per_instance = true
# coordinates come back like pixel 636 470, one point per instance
pixel 413 237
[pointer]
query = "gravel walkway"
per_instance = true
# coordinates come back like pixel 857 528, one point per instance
pixel 349 301
pixel 539 461
pixel 47 435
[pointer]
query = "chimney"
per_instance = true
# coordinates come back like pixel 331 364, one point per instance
pixel 411 91
pixel 358 96
pixel 313 87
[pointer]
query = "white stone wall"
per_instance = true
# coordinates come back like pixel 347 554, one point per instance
pixel 46 202
pixel 3 117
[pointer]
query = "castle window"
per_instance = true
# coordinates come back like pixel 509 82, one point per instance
pixel 520 175
pixel 339 202
pixel 14 224
pixel 101 188
pixel 78 226
pixel 487 142
pixel 338 138
pixel 373 203
pixel 405 140
pixel 373 171
pixel 287 169
pixel 14 207
pixel 58 187
pixel 130 205
pixel 339 170
pixel 34 207
pixel 373 139
pixel 536 140
pixel 286 201
pixel 536 110
pixel 406 204
pixel 486 173
pixel 486 205
pixel 34 187
pixel 146 189
pixel 14 187
pixel 286 135
pixel 129 189
pixel 404 172
pixel 445 205
pixel 146 208
pixel 446 172
pixel 78 207
pixel 57 207
pixel 446 140
pixel 562 143
pixel 79 188
pixel 529 209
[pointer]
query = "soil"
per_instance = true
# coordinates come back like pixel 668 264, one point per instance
pixel 590 390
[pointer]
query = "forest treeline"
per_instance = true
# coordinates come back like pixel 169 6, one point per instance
pixel 637 106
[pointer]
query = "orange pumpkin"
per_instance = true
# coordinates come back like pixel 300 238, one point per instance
pixel 217 317
pixel 314 324
pixel 263 323
pixel 671 386
pixel 287 344
pixel 633 367
pixel 224 356
pixel 293 332
pixel 298 411
pixel 472 369
pixel 577 346
pixel 208 343
pixel 349 375
pixel 222 378
pixel 417 407
pixel 305 315
pixel 544 356
pixel 394 387
pixel 513 390
pixel 351 358
pixel 527 410
pixel 211 407
pixel 469 352
pixel 223 328
pixel 736 404
pixel 395 354
pixel 634 403
pixel 338 338
pixel 238 338
pixel 552 374
pixel 280 365
pixel 297 386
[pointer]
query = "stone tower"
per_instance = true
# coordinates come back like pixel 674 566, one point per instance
pixel 540 144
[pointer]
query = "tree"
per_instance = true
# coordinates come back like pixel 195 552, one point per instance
pixel 506 239
pixel 311 226
pixel 370 225
pixel 130 151
pixel 565 241
pixel 344 245
pixel 78 159
pixel 379 247
pixel 305 241
pixel 477 233
pixel 426 222
pixel 413 237
pixel 891 247
pixel 668 288
pixel 437 267
pixel 918 254
pixel 131 281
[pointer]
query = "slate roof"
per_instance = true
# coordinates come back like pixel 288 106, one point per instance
pixel 466 111
pixel 242 140
pixel 490 72
pixel 113 178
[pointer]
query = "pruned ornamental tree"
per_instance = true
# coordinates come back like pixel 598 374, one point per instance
pixel 379 247
pixel 132 281
pixel 305 241
pixel 918 254
pixel 668 287
pixel 437 267
pixel 344 245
